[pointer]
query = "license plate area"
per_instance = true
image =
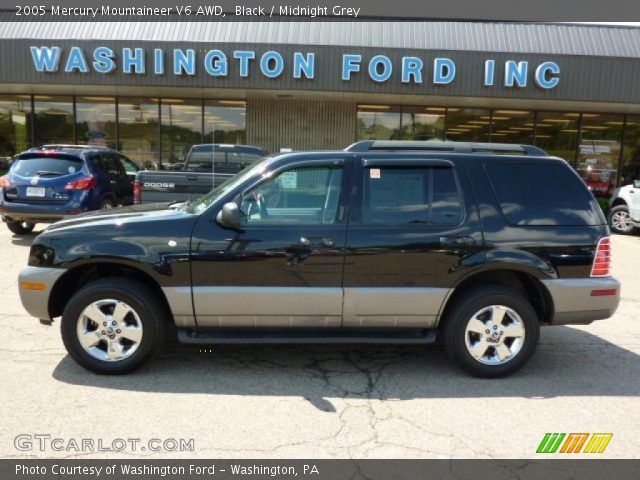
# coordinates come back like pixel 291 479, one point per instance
pixel 36 192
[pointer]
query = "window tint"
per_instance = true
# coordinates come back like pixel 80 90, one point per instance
pixel 408 195
pixel 538 194
pixel 446 206
pixel 100 163
pixel 241 159
pixel 304 196
pixel 127 164
pixel 46 167
pixel 114 167
pixel 205 158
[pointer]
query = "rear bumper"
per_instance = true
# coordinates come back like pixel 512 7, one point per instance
pixel 35 213
pixel 574 302
pixel 42 213
pixel 36 301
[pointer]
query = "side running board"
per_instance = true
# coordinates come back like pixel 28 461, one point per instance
pixel 216 336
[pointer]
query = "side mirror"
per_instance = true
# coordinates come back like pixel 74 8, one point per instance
pixel 636 184
pixel 229 216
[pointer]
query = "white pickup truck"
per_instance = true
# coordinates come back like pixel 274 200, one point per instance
pixel 624 214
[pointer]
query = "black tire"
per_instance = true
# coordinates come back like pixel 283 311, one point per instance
pixel 107 205
pixel 147 306
pixel 615 228
pixel 21 228
pixel 465 307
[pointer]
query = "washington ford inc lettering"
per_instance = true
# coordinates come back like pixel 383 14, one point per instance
pixel 271 64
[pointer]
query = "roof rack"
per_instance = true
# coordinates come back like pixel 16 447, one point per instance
pixel 441 146
pixel 65 146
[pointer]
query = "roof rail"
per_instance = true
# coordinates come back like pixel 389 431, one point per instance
pixel 66 146
pixel 442 146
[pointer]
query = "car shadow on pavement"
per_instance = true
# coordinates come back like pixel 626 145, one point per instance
pixel 24 240
pixel 569 362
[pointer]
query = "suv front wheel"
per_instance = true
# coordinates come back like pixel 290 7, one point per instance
pixel 113 325
pixel 491 332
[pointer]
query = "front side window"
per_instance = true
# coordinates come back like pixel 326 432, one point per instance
pixel 411 196
pixel 300 196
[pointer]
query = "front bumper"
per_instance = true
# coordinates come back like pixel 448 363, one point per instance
pixel 574 302
pixel 35 285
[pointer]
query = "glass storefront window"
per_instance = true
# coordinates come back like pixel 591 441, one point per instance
pixel 420 123
pixel 599 152
pixel 15 131
pixel 630 169
pixel 512 126
pixel 557 134
pixel 138 129
pixel 225 122
pixel 53 119
pixel 379 122
pixel 96 121
pixel 468 124
pixel 181 128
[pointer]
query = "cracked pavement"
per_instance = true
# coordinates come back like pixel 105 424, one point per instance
pixel 324 401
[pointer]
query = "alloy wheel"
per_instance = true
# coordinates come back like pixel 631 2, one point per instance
pixel 621 221
pixel 109 330
pixel 494 335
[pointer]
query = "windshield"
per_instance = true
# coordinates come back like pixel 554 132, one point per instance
pixel 201 204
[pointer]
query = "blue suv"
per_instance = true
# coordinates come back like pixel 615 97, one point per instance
pixel 47 183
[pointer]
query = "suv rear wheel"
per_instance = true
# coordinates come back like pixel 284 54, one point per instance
pixel 113 326
pixel 620 220
pixel 491 331
pixel 107 205
pixel 21 228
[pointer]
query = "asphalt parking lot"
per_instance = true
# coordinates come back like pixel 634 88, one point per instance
pixel 322 401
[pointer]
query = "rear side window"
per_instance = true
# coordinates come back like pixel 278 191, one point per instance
pixel 46 166
pixel 411 195
pixel 114 167
pixel 539 194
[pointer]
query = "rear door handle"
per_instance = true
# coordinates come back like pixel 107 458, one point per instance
pixel 192 179
pixel 457 241
pixel 324 242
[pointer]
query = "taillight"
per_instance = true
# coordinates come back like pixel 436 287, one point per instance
pixel 137 192
pixel 86 183
pixel 602 260
pixel 5 182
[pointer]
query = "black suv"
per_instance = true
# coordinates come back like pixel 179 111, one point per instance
pixel 475 245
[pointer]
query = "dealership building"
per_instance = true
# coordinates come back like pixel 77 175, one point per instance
pixel 151 90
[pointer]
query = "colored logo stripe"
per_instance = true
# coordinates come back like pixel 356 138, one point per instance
pixel 550 443
pixel 598 442
pixel 574 442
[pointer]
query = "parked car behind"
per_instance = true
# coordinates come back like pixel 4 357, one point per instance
pixel 205 167
pixel 47 183
pixel 388 242
pixel 624 212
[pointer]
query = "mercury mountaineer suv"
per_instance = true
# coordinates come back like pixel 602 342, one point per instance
pixel 475 246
